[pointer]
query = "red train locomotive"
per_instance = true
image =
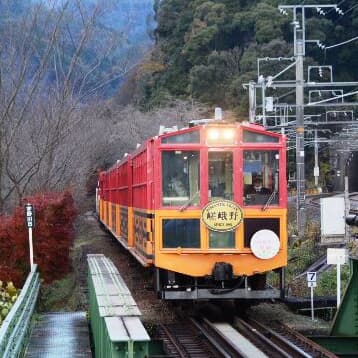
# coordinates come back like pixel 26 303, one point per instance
pixel 205 207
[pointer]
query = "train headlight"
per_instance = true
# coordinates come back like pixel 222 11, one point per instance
pixel 265 244
pixel 213 134
pixel 220 135
pixel 228 134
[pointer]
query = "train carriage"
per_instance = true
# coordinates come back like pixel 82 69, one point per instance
pixel 206 207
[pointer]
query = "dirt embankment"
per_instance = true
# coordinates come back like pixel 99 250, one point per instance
pixel 70 294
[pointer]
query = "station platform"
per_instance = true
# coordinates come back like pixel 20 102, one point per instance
pixel 62 334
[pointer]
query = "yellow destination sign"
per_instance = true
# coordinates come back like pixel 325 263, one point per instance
pixel 222 215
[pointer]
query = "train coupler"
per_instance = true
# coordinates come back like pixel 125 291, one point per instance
pixel 222 271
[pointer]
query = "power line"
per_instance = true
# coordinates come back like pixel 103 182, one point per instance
pixel 349 10
pixel 342 43
pixel 340 3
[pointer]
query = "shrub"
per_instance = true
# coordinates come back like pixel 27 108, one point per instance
pixel 52 238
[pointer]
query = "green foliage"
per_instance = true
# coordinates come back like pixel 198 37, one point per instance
pixel 58 295
pixel 197 39
pixel 300 255
pixel 327 282
pixel 268 23
pixel 8 296
pixel 191 34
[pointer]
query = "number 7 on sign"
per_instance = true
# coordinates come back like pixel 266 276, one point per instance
pixel 312 279
pixel 311 282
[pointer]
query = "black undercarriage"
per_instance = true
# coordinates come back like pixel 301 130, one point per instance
pixel 170 285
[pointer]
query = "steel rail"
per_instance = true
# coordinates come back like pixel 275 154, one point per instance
pixel 277 343
pixel 217 343
pixel 192 338
pixel 169 336
pixel 292 340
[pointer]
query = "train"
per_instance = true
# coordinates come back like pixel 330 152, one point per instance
pixel 205 208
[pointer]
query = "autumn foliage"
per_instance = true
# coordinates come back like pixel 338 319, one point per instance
pixel 52 238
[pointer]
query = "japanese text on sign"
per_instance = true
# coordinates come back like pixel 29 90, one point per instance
pixel 222 215
pixel 29 216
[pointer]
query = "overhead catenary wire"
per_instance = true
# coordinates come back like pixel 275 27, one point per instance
pixel 339 4
pixel 349 10
pixel 342 43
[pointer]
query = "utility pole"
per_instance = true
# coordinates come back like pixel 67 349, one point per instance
pixel 301 120
pixel 299 53
pixel 316 165
pixel 347 205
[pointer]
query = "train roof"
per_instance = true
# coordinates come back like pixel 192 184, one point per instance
pixel 195 125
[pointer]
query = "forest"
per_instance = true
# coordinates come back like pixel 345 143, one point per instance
pixel 205 50
pixel 81 80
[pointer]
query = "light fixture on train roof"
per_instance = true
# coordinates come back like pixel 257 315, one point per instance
pixel 218 114
pixel 213 134
pixel 228 133
pixel 217 135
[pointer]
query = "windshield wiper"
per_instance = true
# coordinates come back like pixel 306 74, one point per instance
pixel 269 200
pixel 185 206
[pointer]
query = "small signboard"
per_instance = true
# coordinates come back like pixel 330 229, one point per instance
pixel 222 215
pixel 312 279
pixel 312 282
pixel 332 220
pixel 337 256
pixel 30 216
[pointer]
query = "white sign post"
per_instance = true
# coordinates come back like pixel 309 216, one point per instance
pixel 337 257
pixel 30 223
pixel 312 282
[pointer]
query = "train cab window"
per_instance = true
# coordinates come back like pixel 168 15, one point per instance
pixel 184 233
pixel 220 175
pixel 261 177
pixel 180 178
pixel 190 137
pixel 254 137
pixel 221 240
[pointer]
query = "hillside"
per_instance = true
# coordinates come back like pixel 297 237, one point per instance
pixel 206 50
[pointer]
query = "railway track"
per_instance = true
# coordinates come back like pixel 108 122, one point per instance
pixel 279 340
pixel 353 197
pixel 185 339
pixel 245 338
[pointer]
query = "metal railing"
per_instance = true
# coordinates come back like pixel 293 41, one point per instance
pixel 114 315
pixel 13 331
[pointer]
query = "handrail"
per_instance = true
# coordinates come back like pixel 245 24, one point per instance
pixel 16 324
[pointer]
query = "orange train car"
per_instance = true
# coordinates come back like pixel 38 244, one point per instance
pixel 205 207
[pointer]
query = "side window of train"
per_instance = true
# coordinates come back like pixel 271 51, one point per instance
pixel 261 177
pixel 180 178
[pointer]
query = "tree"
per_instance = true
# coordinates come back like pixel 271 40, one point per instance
pixel 54 58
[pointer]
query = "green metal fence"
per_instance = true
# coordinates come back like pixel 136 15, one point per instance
pixel 343 339
pixel 114 316
pixel 14 330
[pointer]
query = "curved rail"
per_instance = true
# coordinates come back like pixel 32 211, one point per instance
pixel 187 339
pixel 279 340
pixel 15 327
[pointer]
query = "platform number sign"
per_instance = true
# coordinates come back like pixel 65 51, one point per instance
pixel 30 216
pixel 312 279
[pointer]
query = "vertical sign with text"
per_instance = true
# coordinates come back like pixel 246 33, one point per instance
pixel 30 223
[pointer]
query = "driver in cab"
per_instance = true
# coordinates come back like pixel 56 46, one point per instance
pixel 256 193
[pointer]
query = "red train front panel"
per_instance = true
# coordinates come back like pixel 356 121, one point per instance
pixel 208 210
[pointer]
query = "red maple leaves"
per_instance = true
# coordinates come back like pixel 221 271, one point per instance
pixel 52 238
